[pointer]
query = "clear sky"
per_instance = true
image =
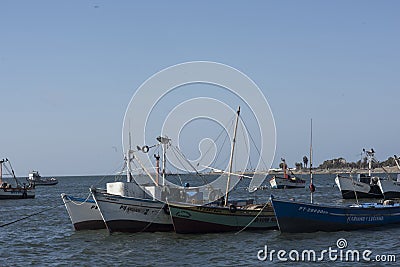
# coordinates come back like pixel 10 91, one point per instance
pixel 68 70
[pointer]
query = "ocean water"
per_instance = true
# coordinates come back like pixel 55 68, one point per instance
pixel 48 239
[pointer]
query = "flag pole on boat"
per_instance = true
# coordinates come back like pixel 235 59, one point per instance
pixel 312 187
pixel 231 157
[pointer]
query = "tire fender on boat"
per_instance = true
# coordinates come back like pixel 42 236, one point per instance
pixel 232 208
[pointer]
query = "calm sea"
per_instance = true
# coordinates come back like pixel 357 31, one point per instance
pixel 48 239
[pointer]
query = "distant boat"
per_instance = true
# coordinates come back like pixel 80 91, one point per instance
pixel 34 177
pixel 84 213
pixel 366 186
pixel 363 187
pixel 296 217
pixel 391 188
pixel 18 191
pixel 287 181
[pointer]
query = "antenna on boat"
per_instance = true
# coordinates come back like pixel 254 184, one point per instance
pixel 312 187
pixel 231 157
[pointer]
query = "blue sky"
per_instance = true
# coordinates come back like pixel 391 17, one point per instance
pixel 68 70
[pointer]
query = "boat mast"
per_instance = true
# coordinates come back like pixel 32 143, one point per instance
pixel 157 157
pixel 231 158
pixel 164 158
pixel 1 171
pixel 312 187
pixel 165 141
pixel 128 161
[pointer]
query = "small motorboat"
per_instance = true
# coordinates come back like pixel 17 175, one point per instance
pixel 35 178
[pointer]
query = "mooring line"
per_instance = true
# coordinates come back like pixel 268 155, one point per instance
pixel 28 216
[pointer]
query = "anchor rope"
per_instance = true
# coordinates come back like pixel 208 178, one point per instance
pixel 244 228
pixel 151 222
pixel 31 215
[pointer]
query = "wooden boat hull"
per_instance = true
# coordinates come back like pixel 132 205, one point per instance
pixel 286 183
pixel 352 189
pixel 295 217
pixel 129 214
pixel 84 213
pixel 203 219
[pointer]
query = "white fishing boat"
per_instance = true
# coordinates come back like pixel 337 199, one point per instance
pixel 391 188
pixel 17 191
pixel 85 213
pixel 366 186
pixel 128 207
pixel 287 181
pixel 34 177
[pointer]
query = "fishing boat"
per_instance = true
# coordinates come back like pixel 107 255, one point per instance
pixel 132 214
pixel 366 186
pixel 17 191
pixel 139 210
pixel 287 181
pixel 196 219
pixel 300 217
pixel 296 217
pixel 34 177
pixel 225 217
pixel 391 188
pixel 84 213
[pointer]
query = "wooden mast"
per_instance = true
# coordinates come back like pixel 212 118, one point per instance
pixel 312 187
pixel 231 157
pixel 1 171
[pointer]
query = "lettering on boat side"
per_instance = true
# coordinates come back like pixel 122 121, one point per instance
pixel 364 219
pixel 209 209
pixel 313 210
pixel 183 214
pixel 133 209
pixel 94 207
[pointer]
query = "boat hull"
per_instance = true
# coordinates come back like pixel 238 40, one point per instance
pixel 203 219
pixel 352 189
pixel 389 188
pixel 84 213
pixel 129 214
pixel 16 193
pixel 294 217
pixel 45 182
pixel 286 183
